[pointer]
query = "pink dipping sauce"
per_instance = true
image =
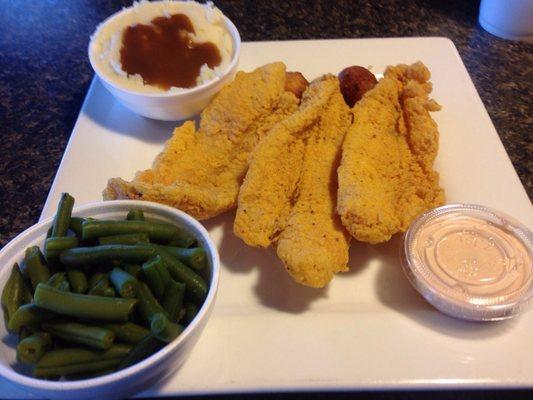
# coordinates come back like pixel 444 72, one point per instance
pixel 470 262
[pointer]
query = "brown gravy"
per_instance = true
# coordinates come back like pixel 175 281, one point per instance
pixel 164 55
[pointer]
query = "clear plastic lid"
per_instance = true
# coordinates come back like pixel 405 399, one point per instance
pixel 470 262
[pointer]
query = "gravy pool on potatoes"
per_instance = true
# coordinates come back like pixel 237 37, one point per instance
pixel 164 54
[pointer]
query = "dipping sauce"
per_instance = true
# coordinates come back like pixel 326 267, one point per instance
pixel 164 54
pixel 470 262
pixel 162 46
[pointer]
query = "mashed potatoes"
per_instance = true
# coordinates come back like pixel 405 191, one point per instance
pixel 106 42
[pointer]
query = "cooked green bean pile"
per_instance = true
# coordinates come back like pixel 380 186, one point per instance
pixel 104 295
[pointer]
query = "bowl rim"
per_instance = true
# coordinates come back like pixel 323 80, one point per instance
pixel 236 39
pixel 114 377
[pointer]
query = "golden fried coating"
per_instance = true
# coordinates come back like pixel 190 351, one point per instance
pixel 289 193
pixel 200 171
pixel 314 245
pixel 386 176
pixel 267 193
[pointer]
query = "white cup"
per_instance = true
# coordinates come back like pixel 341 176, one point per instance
pixel 508 19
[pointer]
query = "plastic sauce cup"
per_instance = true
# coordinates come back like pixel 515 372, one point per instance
pixel 470 262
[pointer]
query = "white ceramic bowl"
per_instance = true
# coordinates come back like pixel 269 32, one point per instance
pixel 141 375
pixel 172 106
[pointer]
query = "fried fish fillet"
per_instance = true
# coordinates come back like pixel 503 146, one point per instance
pixel 290 188
pixel 200 171
pixel 267 194
pixel 386 176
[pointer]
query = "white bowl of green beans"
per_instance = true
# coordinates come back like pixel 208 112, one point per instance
pixel 104 300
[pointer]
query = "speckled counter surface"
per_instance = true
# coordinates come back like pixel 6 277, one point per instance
pixel 44 74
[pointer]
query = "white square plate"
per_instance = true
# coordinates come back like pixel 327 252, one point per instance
pixel 368 329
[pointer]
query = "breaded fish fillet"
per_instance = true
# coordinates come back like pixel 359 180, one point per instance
pixel 290 188
pixel 386 176
pixel 200 171
pixel 267 193
pixel 314 245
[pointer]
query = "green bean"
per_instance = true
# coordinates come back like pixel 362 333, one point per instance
pixel 109 292
pixel 173 299
pixel 162 270
pixel 156 231
pixel 119 247
pixel 70 369
pixel 83 306
pixel 135 215
pixel 102 288
pixel 92 336
pixel 144 349
pixel 5 315
pixel 128 332
pixel 99 288
pixel 23 268
pixel 75 225
pixel 33 347
pixel 190 312
pixel 37 270
pixel 194 257
pixel 80 355
pixel 59 281
pixel 148 305
pixel 77 360
pixel 152 276
pixel 62 217
pixel 25 332
pixel 133 269
pixel 28 315
pixel 78 280
pixel 196 285
pixel 179 271
pixel 95 278
pixel 87 256
pixel 128 238
pixel 182 241
pixel 125 284
pixel 163 329
pixel 13 292
pixel 27 296
pixel 55 245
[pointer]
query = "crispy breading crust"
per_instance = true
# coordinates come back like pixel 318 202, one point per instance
pixel 289 193
pixel 314 245
pixel 386 176
pixel 200 172
pixel 267 193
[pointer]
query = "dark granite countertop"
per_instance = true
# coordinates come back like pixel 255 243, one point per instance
pixel 45 73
